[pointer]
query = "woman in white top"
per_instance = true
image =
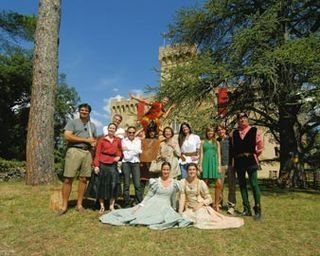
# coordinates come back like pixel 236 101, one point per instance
pixel 189 146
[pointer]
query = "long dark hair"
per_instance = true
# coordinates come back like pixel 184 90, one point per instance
pixel 152 127
pixel 182 136
pixel 165 163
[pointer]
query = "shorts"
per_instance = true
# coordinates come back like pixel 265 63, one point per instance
pixel 77 160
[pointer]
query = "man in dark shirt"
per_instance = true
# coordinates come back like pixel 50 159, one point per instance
pixel 247 145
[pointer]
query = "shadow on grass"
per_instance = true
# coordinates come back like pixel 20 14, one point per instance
pixel 275 188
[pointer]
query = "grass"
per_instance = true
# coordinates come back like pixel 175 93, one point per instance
pixel 290 226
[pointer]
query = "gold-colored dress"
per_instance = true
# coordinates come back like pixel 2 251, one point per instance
pixel 205 217
pixel 171 154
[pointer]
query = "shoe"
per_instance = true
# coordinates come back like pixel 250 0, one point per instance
pixel 80 210
pixel 230 211
pixel 117 206
pixel 61 212
pixel 257 212
pixel 246 212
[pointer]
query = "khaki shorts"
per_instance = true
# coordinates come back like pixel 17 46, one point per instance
pixel 77 160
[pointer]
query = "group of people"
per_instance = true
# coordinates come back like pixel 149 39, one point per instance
pixel 178 195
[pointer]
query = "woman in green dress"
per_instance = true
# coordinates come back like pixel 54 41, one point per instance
pixel 210 164
pixel 157 210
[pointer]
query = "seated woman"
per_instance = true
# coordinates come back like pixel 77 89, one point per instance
pixel 194 204
pixel 156 210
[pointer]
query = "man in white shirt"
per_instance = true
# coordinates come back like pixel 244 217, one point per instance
pixel 131 147
pixel 116 119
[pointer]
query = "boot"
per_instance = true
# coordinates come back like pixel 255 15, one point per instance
pixel 257 212
pixel 246 211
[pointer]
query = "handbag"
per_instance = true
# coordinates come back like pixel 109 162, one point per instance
pixel 93 186
pixel 155 166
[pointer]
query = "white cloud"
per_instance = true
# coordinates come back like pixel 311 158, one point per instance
pixel 137 92
pixel 108 101
pixel 97 122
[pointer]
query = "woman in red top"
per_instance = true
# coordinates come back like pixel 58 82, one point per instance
pixel 155 112
pixel 108 153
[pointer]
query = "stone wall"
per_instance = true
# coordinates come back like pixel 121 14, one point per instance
pixel 12 174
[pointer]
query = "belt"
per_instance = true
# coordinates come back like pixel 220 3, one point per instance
pixel 190 153
pixel 79 147
pixel 244 155
pixel 103 153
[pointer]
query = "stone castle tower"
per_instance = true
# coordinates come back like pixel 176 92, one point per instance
pixel 168 57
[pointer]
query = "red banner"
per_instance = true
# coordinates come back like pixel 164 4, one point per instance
pixel 140 110
pixel 223 99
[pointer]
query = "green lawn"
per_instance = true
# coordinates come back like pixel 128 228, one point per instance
pixel 290 226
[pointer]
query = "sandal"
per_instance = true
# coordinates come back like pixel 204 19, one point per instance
pixel 80 210
pixel 61 212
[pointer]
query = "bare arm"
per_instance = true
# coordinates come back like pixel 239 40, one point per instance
pixel 140 100
pixel 70 137
pixel 259 143
pixel 168 111
pixel 219 156
pixel 200 157
pixel 182 202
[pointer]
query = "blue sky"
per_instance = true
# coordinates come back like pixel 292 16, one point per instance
pixel 109 48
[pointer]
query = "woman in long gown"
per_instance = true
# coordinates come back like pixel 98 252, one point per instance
pixel 170 152
pixel 156 210
pixel 194 204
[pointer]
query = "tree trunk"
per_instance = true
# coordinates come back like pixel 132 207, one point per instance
pixel 40 138
pixel 288 142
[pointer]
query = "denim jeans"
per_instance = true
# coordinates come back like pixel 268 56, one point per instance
pixel 133 169
pixel 183 168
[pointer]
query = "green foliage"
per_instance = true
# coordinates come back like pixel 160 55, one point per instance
pixel 18 26
pixel 266 52
pixel 15 84
pixel 15 80
pixel 7 164
pixel 66 103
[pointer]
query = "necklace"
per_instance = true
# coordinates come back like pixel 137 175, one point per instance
pixel 191 184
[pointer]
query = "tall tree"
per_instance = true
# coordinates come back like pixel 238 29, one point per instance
pixel 40 144
pixel 15 82
pixel 266 51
